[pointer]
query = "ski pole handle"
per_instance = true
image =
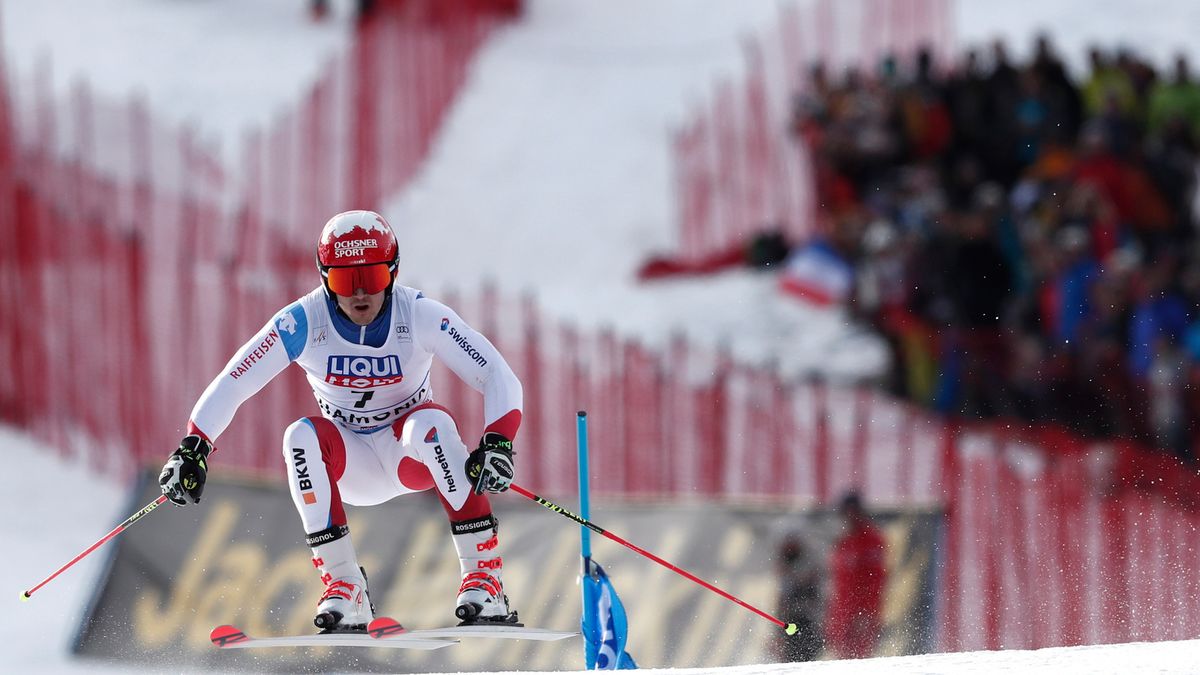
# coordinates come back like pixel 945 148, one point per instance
pixel 116 530
pixel 789 628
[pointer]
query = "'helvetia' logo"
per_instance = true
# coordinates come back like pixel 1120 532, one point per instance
pixel 361 372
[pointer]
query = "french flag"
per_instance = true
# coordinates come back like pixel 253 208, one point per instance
pixel 818 274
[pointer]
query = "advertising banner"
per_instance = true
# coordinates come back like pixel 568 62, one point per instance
pixel 239 558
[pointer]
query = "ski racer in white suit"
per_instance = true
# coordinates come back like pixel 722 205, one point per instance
pixel 366 345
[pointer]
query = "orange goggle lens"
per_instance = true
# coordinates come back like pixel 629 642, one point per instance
pixel 370 278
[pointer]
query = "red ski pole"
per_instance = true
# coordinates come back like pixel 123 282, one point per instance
pixel 789 628
pixel 117 530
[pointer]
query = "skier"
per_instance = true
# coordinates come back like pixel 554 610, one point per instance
pixel 366 345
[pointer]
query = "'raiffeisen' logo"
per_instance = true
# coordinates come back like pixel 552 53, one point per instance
pixel 255 355
pixel 361 372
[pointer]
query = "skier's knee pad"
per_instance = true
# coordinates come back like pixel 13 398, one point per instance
pixel 433 436
pixel 300 445
pixel 426 430
pixel 315 440
pixel 299 434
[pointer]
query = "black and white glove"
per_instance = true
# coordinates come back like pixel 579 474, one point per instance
pixel 182 477
pixel 490 466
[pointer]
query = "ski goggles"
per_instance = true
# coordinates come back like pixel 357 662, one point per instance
pixel 346 280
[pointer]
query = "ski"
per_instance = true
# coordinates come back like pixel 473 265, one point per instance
pixel 232 637
pixel 385 629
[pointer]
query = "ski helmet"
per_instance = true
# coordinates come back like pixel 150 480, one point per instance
pixel 357 249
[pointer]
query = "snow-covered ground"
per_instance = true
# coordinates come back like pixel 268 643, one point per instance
pixel 222 65
pixel 552 175
pixel 57 507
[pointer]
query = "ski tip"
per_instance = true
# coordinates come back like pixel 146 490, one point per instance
pixel 384 626
pixel 223 636
pixel 24 596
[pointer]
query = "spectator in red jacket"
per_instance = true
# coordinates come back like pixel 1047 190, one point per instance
pixel 857 574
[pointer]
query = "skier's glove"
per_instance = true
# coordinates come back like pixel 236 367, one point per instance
pixel 182 477
pixel 490 466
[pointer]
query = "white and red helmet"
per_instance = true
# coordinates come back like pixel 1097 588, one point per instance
pixel 357 249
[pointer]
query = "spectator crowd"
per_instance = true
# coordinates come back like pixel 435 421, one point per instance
pixel 1023 237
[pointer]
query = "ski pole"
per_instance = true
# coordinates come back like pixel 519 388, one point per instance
pixel 789 628
pixel 116 530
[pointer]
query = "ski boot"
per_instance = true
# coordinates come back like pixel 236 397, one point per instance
pixel 345 606
pixel 481 597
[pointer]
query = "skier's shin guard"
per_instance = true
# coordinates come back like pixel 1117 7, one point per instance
pixel 333 553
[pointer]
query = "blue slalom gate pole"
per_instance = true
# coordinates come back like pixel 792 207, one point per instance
pixel 585 534
pixel 604 625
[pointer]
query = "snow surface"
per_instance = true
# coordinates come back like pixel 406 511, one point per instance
pixel 552 175
pixel 224 66
pixel 57 506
